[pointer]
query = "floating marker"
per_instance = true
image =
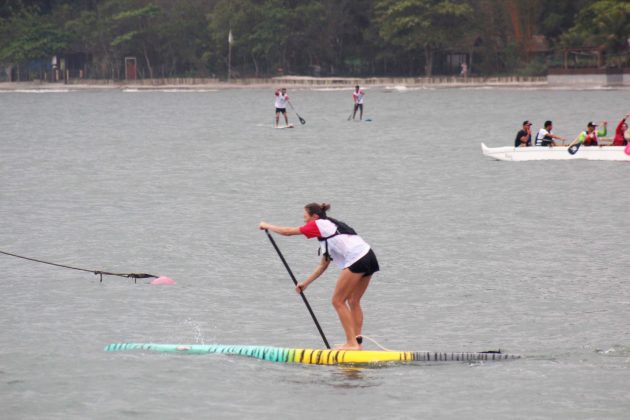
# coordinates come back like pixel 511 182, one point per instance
pixel 163 281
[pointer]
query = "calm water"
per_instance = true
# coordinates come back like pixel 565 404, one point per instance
pixel 529 257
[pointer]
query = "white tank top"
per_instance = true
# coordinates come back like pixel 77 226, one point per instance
pixel 281 100
pixel 345 250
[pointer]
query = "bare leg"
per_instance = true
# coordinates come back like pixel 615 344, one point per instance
pixel 277 118
pixel 347 284
pixel 286 118
pixel 354 302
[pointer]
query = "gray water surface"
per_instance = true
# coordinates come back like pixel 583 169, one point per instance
pixel 528 257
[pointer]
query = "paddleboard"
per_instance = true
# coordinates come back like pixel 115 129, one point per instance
pixel 314 356
pixel 284 126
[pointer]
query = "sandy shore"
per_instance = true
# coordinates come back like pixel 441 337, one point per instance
pixel 303 82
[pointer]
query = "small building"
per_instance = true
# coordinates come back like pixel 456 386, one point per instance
pixel 591 66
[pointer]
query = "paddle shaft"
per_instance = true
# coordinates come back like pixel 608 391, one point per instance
pixel 308 306
pixel 302 120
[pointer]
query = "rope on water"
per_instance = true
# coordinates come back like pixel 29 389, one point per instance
pixel 386 349
pixel 376 343
pixel 134 276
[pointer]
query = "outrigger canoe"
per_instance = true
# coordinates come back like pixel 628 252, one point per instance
pixel 315 356
pixel 615 153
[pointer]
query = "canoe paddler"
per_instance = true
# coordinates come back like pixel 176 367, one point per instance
pixel 339 243
pixel 545 137
pixel 620 132
pixel 590 136
pixel 524 136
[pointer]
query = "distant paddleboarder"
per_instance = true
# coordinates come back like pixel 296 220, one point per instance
pixel 358 96
pixel 339 243
pixel 281 105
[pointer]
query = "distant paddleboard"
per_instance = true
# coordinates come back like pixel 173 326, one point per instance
pixel 284 126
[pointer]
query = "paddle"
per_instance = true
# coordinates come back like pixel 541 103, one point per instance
pixel 296 283
pixel 574 148
pixel 302 120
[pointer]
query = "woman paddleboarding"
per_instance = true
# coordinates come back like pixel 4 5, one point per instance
pixel 339 243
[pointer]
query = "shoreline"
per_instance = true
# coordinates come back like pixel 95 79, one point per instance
pixel 303 82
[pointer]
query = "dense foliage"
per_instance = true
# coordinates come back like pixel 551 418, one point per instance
pixel 316 37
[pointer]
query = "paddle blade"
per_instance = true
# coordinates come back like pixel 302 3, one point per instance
pixel 573 149
pixel 302 120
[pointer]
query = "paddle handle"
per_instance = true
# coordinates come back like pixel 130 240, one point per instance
pixel 308 306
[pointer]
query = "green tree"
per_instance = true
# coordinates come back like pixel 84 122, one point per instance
pixel 428 25
pixel 260 32
pixel 92 30
pixel 138 31
pixel 184 37
pixel 336 35
pixel 27 35
pixel 604 23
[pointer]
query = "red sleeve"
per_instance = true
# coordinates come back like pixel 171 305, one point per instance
pixel 618 130
pixel 310 230
pixel 277 93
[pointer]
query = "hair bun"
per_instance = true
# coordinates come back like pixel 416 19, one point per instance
pixel 325 206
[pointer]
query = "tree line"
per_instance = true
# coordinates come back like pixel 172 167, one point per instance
pixel 191 38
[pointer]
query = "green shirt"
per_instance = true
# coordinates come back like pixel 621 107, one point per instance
pixel 600 133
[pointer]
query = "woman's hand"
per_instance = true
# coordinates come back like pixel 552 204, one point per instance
pixel 263 226
pixel 300 287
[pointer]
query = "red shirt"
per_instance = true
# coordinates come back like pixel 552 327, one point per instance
pixel 345 250
pixel 310 230
pixel 619 138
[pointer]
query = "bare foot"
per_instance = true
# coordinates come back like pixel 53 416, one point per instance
pixel 349 346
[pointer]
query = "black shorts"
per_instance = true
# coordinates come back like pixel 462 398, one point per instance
pixel 367 264
pixel 283 110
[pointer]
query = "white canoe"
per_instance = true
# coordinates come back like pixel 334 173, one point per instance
pixel 555 153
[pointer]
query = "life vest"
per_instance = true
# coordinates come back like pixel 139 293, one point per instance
pixel 342 229
pixel 591 139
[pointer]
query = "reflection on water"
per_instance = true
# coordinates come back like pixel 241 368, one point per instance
pixel 350 376
pixel 342 377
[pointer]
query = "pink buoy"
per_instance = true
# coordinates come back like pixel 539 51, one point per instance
pixel 163 280
pixel 627 149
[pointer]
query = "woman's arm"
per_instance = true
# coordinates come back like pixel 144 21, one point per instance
pixel 319 270
pixel 282 230
pixel 579 139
